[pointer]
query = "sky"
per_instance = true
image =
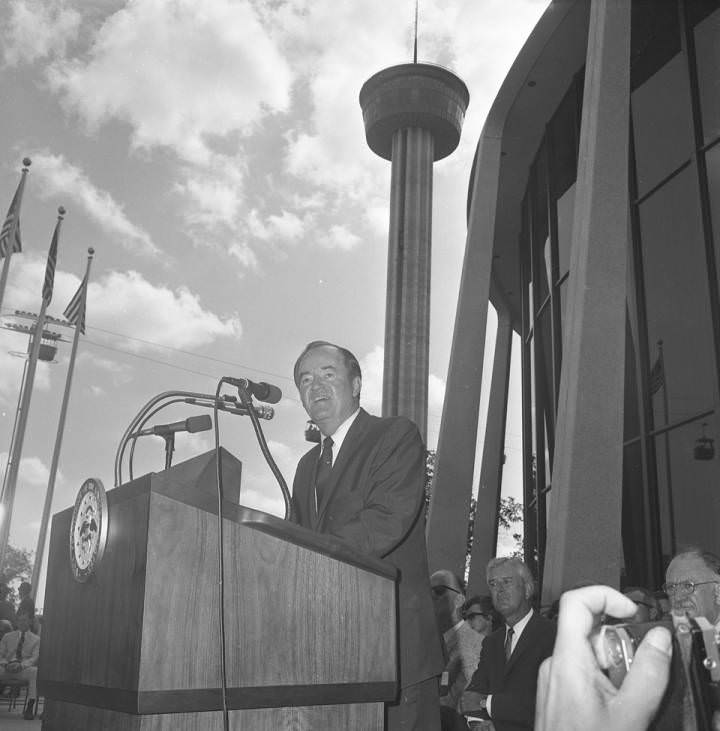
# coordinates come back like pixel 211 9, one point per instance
pixel 213 154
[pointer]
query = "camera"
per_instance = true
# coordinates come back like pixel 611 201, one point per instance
pixel 695 671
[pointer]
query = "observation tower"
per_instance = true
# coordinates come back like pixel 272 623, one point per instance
pixel 413 116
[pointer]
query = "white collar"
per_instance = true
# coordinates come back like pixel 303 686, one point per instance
pixel 338 436
pixel 520 625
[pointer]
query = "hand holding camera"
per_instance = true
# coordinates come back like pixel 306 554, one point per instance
pixel 573 691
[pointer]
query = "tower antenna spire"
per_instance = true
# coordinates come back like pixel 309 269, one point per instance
pixel 416 32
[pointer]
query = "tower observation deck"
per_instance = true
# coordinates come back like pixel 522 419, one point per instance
pixel 413 115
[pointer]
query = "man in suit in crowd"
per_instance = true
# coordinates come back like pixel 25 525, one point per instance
pixel 364 484
pixel 19 652
pixel 504 684
pixel 461 642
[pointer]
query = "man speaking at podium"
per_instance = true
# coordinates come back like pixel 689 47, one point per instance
pixel 364 484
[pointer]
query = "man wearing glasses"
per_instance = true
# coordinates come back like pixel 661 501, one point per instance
pixel 692 582
pixel 461 644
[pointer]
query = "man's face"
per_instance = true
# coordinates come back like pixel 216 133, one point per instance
pixel 327 390
pixel 508 591
pixel 479 621
pixel 23 622
pixel 705 600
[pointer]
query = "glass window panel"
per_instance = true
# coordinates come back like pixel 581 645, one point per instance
pixel 712 163
pixel 662 124
pixel 707 53
pixel 655 38
pixel 564 137
pixel 563 308
pixel 676 298
pixel 688 470
pixel 637 567
pixel 540 225
pixel 632 407
pixel 565 205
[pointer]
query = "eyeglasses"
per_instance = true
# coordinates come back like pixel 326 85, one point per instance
pixel 440 590
pixel 684 588
pixel 478 614
pixel 504 581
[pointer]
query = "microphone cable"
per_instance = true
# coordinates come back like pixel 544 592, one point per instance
pixel 246 401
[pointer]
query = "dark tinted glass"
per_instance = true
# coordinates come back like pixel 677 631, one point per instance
pixel 677 298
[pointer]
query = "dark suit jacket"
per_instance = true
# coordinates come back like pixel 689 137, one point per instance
pixel 374 501
pixel 513 685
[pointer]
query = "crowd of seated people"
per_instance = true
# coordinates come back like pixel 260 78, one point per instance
pixel 544 672
pixel 19 645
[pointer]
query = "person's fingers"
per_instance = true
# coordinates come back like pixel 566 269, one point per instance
pixel 542 694
pixel 578 609
pixel 643 688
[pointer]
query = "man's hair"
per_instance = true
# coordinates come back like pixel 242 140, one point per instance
pixel 711 560
pixel 351 362
pixel 25 587
pixel 518 565
pixel 4 590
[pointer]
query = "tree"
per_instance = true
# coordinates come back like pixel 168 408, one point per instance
pixel 17 566
pixel 509 515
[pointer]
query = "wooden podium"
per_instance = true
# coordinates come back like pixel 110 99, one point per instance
pixel 310 625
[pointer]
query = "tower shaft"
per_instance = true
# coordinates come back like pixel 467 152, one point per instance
pixel 407 312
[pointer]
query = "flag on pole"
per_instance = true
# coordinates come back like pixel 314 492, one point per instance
pixel 47 290
pixel 10 241
pixel 75 311
pixel 657 372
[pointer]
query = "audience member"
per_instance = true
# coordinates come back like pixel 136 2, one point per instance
pixel 692 582
pixel 480 614
pixel 647 608
pixel 27 603
pixel 461 644
pixel 7 610
pixel 504 684
pixel 663 603
pixel 19 651
pixel 574 694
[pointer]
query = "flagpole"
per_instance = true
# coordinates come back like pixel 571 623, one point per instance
pixel 40 550
pixel 11 475
pixel 11 234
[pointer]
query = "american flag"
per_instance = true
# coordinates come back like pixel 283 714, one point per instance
pixel 10 242
pixel 47 290
pixel 657 375
pixel 75 311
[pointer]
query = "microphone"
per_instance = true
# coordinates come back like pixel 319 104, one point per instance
pixel 191 424
pixel 233 407
pixel 261 391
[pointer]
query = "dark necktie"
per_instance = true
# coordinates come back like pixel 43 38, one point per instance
pixel 18 651
pixel 323 469
pixel 508 643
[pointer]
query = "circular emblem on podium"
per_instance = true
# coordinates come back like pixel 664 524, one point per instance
pixel 88 529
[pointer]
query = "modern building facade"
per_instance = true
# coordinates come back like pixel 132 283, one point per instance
pixel 594 230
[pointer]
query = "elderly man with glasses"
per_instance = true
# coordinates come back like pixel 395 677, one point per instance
pixel 692 581
pixel 461 644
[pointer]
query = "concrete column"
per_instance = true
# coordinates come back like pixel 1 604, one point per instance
pixel 585 503
pixel 407 314
pixel 450 504
pixel 488 499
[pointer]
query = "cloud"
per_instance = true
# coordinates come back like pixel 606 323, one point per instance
pixel 172 317
pixel 57 177
pixel 37 28
pixel 181 73
pixel 156 313
pixel 339 237
pixel 285 227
